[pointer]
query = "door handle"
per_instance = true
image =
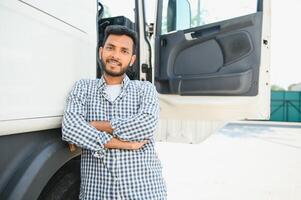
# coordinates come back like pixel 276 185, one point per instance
pixel 202 33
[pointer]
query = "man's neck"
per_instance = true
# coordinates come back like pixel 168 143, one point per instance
pixel 113 80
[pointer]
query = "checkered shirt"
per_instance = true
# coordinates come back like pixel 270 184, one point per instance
pixel 111 174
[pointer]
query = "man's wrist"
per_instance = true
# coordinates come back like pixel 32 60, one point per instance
pixel 109 128
pixel 102 126
pixel 116 143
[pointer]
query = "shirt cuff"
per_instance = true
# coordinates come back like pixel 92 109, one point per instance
pixel 115 123
pixel 102 140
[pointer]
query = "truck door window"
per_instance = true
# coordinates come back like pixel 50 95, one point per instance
pixel 113 8
pixel 194 13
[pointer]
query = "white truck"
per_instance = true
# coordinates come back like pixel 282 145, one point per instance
pixel 209 60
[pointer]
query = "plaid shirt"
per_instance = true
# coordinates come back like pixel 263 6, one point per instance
pixel 109 174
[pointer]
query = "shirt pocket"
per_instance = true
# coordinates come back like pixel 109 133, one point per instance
pixel 126 107
pixel 97 109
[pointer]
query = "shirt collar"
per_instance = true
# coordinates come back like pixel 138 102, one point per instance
pixel 102 83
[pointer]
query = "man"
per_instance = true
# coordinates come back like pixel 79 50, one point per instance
pixel 113 120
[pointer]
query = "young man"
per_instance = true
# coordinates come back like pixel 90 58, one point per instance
pixel 113 120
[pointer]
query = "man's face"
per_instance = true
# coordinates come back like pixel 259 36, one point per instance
pixel 117 54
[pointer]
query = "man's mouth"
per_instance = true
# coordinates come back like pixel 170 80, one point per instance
pixel 113 62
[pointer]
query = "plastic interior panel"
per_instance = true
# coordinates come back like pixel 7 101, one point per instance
pixel 224 61
pixel 185 63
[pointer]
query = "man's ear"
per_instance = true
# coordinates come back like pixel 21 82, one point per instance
pixel 99 52
pixel 133 59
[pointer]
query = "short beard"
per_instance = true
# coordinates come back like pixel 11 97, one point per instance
pixel 113 74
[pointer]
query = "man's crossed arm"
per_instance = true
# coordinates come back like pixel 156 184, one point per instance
pixel 116 143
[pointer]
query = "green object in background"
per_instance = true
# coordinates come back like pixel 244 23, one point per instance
pixel 286 106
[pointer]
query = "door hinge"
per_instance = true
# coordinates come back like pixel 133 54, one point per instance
pixel 265 42
pixel 146 72
pixel 144 68
pixel 150 29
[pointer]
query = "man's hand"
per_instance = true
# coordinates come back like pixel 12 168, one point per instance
pixel 102 126
pixel 115 143
pixel 135 145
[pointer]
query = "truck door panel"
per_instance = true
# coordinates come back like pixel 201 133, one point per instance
pixel 218 59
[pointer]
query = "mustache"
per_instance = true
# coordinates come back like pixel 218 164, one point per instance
pixel 114 60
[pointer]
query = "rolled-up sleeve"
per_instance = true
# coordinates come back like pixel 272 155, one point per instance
pixel 142 125
pixel 75 129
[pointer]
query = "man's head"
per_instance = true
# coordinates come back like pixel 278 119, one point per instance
pixel 118 50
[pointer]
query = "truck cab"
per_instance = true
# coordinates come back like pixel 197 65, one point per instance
pixel 209 61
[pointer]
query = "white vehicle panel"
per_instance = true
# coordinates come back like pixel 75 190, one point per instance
pixel 41 58
pixel 79 13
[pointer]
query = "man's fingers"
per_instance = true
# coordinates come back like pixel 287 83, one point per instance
pixel 140 144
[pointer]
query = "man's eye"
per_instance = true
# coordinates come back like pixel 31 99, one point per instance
pixel 109 48
pixel 125 51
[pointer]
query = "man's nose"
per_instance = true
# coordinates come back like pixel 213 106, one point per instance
pixel 116 54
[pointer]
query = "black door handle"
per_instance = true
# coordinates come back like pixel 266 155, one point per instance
pixel 203 32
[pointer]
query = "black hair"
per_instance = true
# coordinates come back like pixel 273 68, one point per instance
pixel 120 30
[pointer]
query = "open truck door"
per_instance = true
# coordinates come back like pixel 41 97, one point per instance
pixel 215 64
pixel 211 63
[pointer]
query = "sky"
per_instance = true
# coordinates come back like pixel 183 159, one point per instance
pixel 285 42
